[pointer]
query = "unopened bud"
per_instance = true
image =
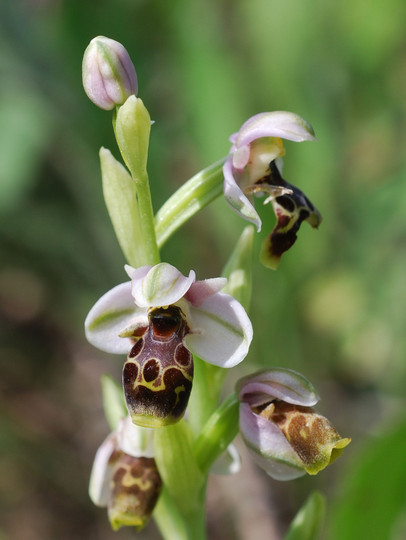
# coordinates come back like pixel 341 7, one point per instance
pixel 108 74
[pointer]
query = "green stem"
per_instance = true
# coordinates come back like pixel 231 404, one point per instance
pixel 131 124
pixel 168 518
pixel 148 238
pixel 176 526
pixel 194 195
pixel 204 399
pixel 196 523
pixel 218 432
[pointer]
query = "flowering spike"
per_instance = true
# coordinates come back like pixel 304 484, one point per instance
pixel 158 373
pixel 108 74
pixel 286 437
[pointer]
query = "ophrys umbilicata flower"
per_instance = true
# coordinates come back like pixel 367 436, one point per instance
pixel 124 476
pixel 158 319
pixel 285 435
pixel 253 167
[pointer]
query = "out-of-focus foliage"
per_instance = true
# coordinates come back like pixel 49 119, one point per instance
pixel 334 310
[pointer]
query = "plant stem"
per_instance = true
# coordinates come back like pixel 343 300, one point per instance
pixel 168 518
pixel 176 526
pixel 217 433
pixel 146 215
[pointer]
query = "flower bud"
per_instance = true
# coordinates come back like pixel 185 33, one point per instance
pixel 108 74
pixel 284 434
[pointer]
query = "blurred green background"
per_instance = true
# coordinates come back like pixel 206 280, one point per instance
pixel 335 309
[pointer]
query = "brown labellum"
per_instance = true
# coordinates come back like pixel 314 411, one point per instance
pixel 158 373
pixel 135 489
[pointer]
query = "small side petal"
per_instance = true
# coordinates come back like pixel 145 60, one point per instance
pixel 283 124
pixel 278 383
pixel 163 285
pixel 221 331
pixel 236 198
pixel 135 440
pixel 227 463
pixel 268 446
pixel 109 316
pixel 201 290
pixel 102 471
pixel 137 273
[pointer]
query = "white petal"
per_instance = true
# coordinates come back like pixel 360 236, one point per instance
pixel 102 471
pixel 135 440
pixel 283 124
pixel 162 286
pixel 268 446
pixel 241 157
pixel 277 383
pixel 236 198
pixel 228 463
pixel 223 331
pixel 137 273
pixel 114 312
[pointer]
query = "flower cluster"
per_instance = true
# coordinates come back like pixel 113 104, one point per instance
pixel 178 333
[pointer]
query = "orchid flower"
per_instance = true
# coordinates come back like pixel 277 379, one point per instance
pixel 124 476
pixel 158 319
pixel 284 434
pixel 253 167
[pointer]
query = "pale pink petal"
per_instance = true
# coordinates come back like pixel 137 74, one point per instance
pixel 201 290
pixel 137 273
pixel 236 198
pixel 277 383
pixel 268 446
pixel 113 312
pixel 102 471
pixel 163 285
pixel 221 331
pixel 135 440
pixel 283 124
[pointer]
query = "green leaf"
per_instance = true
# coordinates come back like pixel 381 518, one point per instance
pixel 372 498
pixel 218 432
pixel 113 401
pixel 191 197
pixel 307 522
pixel 120 195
